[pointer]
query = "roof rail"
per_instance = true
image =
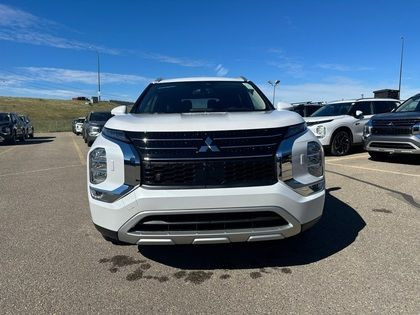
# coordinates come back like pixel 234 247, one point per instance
pixel 158 80
pixel 243 78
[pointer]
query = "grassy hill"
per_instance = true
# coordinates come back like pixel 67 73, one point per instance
pixel 51 115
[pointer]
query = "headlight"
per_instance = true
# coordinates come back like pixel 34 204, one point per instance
pixel 6 130
pixel 93 130
pixel 97 165
pixel 367 130
pixel 315 159
pixel 294 130
pixel 416 129
pixel 320 131
pixel 115 134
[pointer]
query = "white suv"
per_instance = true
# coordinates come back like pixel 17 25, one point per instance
pixel 204 160
pixel 339 125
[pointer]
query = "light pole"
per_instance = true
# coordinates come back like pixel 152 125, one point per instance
pixel 274 84
pixel 99 77
pixel 401 66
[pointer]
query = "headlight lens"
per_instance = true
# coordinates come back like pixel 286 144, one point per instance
pixel 367 130
pixel 315 159
pixel 320 131
pixel 93 130
pixel 6 130
pixel 416 129
pixel 294 130
pixel 115 134
pixel 97 165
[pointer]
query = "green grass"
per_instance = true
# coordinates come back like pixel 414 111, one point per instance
pixel 48 115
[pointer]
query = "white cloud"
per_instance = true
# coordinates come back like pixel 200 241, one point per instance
pixel 340 67
pixel 221 71
pixel 23 27
pixel 45 93
pixel 329 91
pixel 290 67
pixel 59 75
pixel 186 62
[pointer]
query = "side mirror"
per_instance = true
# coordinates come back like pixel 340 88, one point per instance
pixel 284 106
pixel 359 114
pixel 120 110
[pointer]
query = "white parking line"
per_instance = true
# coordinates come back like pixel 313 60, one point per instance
pixel 40 170
pixel 7 150
pixel 375 170
pixel 359 156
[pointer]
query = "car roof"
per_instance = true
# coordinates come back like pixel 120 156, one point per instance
pixel 364 100
pixel 199 79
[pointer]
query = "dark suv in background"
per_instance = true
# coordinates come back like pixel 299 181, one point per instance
pixel 93 125
pixel 395 132
pixel 12 128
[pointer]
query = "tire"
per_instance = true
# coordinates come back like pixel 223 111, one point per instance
pixel 378 156
pixel 31 135
pixel 341 143
pixel 12 139
pixel 89 143
pixel 23 137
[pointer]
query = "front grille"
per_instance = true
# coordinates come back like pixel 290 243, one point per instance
pixel 391 145
pixel 392 131
pixel 208 222
pixel 210 173
pixel 231 158
pixel 393 126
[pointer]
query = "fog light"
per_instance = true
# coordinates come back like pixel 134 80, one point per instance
pixel 315 159
pixel 416 129
pixel 97 166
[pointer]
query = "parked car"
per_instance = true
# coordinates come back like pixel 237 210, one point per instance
pixel 304 109
pixel 204 160
pixel 29 128
pixel 396 132
pixel 339 125
pixel 93 125
pixel 77 125
pixel 12 128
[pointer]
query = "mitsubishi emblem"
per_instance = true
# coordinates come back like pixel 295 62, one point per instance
pixel 209 146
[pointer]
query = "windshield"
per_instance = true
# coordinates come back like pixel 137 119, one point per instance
pixel 410 105
pixel 100 116
pixel 205 96
pixel 81 120
pixel 335 109
pixel 4 117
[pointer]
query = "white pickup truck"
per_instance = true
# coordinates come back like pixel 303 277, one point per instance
pixel 204 160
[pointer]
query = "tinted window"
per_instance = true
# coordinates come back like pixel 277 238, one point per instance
pixel 4 117
pixel 100 116
pixel 410 105
pixel 205 96
pixel 362 106
pixel 335 109
pixel 380 107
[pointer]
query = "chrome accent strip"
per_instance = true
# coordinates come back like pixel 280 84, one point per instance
pixel 306 189
pixel 207 158
pixel 250 137
pixel 248 146
pixel 110 196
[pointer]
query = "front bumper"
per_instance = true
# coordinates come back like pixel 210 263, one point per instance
pixel 406 144
pixel 5 136
pixel 121 216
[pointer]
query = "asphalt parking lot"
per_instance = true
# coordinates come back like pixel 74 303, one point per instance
pixel 362 257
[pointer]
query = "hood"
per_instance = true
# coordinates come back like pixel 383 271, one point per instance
pixel 321 119
pixel 398 115
pixel 204 121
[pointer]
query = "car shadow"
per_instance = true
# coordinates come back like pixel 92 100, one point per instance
pixel 355 149
pixel 35 140
pixel 337 229
pixel 400 159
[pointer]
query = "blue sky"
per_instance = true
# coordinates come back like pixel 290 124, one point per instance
pixel 319 50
